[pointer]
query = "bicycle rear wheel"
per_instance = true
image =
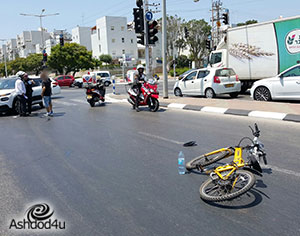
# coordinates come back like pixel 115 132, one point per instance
pixel 216 191
pixel 205 160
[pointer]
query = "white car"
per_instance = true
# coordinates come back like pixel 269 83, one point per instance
pixel 8 94
pixel 285 86
pixel 104 75
pixel 54 85
pixel 209 82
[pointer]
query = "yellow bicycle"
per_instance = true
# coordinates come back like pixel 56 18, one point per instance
pixel 233 179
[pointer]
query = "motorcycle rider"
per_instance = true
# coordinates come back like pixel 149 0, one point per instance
pixel 139 78
pixel 21 93
pixel 100 87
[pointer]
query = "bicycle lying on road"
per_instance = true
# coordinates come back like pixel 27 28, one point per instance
pixel 229 181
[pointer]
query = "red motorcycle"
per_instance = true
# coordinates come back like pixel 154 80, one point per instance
pixel 148 96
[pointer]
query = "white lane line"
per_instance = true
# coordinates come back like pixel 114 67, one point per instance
pixel 176 105
pixel 160 138
pixel 270 115
pixel 64 103
pixel 284 171
pixel 219 110
pixel 79 100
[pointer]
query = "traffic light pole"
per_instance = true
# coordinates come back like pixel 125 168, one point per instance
pixel 164 48
pixel 147 55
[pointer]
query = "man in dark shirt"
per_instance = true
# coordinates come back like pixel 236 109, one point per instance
pixel 28 85
pixel 46 93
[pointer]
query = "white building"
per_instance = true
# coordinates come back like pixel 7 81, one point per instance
pixel 27 41
pixel 3 52
pixel 112 36
pixel 11 46
pixel 82 36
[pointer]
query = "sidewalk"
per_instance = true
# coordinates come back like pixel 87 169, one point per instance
pixel 273 110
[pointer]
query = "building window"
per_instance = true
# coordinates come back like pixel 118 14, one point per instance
pixel 112 28
pixel 98 34
pixel 113 53
pixel 122 28
pixel 131 40
pixel 123 51
pixel 99 47
pixel 113 40
pixel 123 40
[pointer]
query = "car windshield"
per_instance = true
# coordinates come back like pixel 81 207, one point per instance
pixel 103 74
pixel 226 72
pixel 7 83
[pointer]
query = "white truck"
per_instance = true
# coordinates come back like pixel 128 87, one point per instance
pixel 259 50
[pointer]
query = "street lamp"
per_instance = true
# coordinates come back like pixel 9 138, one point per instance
pixel 4 55
pixel 41 25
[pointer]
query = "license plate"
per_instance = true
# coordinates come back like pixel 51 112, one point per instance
pixel 89 96
pixel 229 85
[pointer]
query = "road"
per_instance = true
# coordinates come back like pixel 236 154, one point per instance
pixel 109 170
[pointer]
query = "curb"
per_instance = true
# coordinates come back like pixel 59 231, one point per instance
pixel 236 112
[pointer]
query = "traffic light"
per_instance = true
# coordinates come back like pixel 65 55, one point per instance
pixel 45 57
pixel 138 14
pixel 186 32
pixel 225 18
pixel 141 38
pixel 207 44
pixel 61 40
pixel 152 31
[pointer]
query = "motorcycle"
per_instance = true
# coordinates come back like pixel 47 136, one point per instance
pixel 148 96
pixel 95 93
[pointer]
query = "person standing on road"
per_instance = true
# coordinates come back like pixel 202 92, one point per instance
pixel 28 85
pixel 139 78
pixel 46 93
pixel 21 93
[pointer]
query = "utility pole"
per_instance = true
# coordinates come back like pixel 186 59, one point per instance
pixel 164 48
pixel 41 16
pixel 5 55
pixel 147 55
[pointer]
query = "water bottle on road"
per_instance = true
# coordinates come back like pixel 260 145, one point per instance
pixel 181 163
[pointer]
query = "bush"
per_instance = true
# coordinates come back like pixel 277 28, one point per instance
pixel 179 71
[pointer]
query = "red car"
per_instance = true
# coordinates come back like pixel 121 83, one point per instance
pixel 65 80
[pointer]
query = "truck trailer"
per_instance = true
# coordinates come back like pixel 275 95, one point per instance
pixel 259 50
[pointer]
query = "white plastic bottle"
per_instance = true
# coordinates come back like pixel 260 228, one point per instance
pixel 181 163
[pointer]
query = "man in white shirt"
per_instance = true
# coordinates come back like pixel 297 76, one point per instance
pixel 21 91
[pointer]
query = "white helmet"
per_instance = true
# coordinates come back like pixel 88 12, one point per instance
pixel 20 73
pixel 140 66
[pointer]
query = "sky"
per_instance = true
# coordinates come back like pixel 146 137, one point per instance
pixel 85 12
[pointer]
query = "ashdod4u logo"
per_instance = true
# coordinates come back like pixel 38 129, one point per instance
pixel 38 217
pixel 292 41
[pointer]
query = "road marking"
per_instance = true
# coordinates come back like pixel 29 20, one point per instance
pixel 176 105
pixel 65 103
pixel 219 110
pixel 161 138
pixel 270 115
pixel 78 100
pixel 285 171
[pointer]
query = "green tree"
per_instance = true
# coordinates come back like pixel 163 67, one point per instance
pixel 106 58
pixel 16 65
pixel 198 30
pixel 248 22
pixel 71 57
pixel 34 63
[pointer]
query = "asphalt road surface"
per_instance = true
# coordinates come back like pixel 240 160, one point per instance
pixel 109 170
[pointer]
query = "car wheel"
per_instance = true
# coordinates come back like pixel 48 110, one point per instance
pixel 234 95
pixel 106 83
pixel 80 85
pixel 41 104
pixel 16 106
pixel 209 93
pixel 178 92
pixel 262 94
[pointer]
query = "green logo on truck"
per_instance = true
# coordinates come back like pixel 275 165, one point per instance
pixel 293 41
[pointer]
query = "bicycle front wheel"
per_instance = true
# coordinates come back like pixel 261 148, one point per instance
pixel 206 159
pixel 218 190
